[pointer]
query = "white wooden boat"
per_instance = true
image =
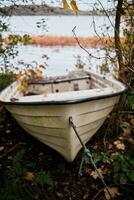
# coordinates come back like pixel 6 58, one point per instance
pixel 86 97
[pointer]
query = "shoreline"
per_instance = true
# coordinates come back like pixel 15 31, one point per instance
pixel 46 10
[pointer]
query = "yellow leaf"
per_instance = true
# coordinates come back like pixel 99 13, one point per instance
pixel 21 88
pixel 74 6
pixel 29 70
pixel 39 74
pixel 65 5
pixel 18 76
pixel 29 176
pixel 115 75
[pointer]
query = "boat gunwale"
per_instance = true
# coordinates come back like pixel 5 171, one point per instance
pixel 65 102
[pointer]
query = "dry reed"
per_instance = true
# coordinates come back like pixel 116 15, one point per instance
pixel 45 40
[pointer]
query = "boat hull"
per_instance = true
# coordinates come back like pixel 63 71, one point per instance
pixel 50 123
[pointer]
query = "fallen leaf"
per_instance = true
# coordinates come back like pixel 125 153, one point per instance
pixel 95 147
pixel 117 142
pixel 29 176
pixel 104 169
pixel 119 145
pixel 41 154
pixel 95 175
pixel 13 99
pixel 132 121
pixel 8 131
pixel 8 167
pixel 45 95
pixel 59 194
pixel 121 138
pixel 86 195
pixel 113 191
pixel 9 157
pixel 1 148
pixel 110 146
pixel 88 170
pixel 126 131
pixel 131 140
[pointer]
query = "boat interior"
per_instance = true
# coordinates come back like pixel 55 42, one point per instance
pixel 73 86
pixel 69 83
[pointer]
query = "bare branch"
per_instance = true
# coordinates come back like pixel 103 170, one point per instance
pixel 106 13
pixel 90 55
pixel 131 69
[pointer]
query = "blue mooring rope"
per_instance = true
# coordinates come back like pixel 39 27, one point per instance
pixel 87 154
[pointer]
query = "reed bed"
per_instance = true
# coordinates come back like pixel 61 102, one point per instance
pixel 71 41
pixel 45 40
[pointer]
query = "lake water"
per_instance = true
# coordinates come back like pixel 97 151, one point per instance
pixel 62 25
pixel 61 59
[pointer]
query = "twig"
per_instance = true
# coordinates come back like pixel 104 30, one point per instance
pixel 105 135
pixel 94 26
pixel 126 112
pixel 131 88
pixel 131 69
pixel 11 149
pixel 106 13
pixel 90 55
pixel 101 190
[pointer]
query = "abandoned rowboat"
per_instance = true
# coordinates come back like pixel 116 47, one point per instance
pixel 86 97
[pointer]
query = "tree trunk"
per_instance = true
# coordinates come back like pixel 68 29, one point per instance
pixel 118 47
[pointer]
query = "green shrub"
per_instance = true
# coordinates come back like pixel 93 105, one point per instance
pixel 130 102
pixel 123 169
pixel 6 79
